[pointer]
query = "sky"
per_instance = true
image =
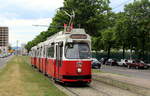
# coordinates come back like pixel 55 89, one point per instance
pixel 21 15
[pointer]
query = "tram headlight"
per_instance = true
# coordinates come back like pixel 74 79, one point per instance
pixel 79 70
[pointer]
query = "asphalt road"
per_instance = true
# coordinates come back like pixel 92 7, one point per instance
pixel 139 73
pixel 3 61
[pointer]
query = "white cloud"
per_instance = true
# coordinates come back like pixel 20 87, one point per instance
pixel 22 29
pixel 36 5
pixel 26 22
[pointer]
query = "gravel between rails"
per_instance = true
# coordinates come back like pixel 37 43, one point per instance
pixel 68 91
pixel 96 88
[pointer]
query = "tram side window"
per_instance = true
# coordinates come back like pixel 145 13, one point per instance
pixel 39 53
pixel 36 53
pixel 61 51
pixel 43 52
pixel 32 54
pixel 50 52
pixel 45 55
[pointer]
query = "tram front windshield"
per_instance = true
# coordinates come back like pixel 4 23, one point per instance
pixel 77 51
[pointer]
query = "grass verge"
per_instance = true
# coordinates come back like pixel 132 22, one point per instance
pixel 97 71
pixel 19 79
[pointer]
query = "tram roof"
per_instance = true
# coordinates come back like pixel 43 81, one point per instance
pixel 60 36
pixel 40 44
pixel 33 47
pixel 73 31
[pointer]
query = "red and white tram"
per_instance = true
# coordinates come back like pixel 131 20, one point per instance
pixel 65 56
pixel 33 55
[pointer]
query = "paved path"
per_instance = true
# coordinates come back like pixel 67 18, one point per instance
pixel 140 73
pixel 4 60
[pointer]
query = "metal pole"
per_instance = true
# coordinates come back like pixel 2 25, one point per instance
pixel 17 47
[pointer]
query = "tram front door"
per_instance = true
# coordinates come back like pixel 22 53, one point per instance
pixel 59 48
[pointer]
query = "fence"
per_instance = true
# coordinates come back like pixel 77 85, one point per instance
pixel 118 56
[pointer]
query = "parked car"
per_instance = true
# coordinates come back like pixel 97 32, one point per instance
pixel 123 62
pixel 137 64
pixel 1 56
pixel 112 62
pixel 96 64
pixel 103 60
pixel 148 65
pixel 4 55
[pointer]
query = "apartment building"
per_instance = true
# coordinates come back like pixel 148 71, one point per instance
pixel 4 38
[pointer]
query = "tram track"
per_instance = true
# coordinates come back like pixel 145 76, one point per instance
pixel 88 87
pixel 74 93
pixel 64 88
pixel 124 85
pixel 106 94
pixel 96 88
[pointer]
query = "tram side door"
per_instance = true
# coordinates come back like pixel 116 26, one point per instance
pixel 58 59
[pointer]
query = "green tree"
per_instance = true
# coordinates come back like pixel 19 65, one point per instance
pixel 40 38
pixel 89 14
pixel 108 39
pixel 122 32
pixel 139 16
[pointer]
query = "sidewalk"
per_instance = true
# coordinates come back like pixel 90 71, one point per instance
pixel 3 61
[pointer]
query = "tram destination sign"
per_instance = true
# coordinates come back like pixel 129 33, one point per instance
pixel 78 36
